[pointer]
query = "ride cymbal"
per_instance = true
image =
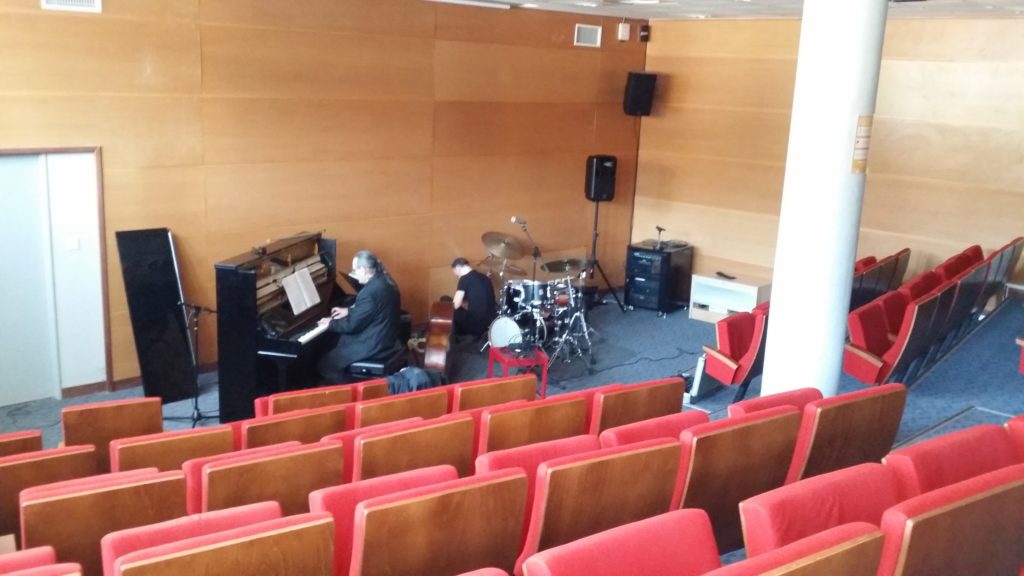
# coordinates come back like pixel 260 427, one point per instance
pixel 567 265
pixel 503 245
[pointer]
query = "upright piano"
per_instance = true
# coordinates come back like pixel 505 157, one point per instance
pixel 264 347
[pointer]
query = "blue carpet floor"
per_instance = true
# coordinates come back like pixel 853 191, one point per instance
pixel 977 382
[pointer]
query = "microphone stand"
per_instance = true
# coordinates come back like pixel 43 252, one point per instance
pixel 536 250
pixel 192 312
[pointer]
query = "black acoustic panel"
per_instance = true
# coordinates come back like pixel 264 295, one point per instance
pixel 153 287
pixel 600 185
pixel 639 93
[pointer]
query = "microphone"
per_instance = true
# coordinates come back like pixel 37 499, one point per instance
pixel 518 220
pixel 659 228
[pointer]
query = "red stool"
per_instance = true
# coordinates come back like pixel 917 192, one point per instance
pixel 509 360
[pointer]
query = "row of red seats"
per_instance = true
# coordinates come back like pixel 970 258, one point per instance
pixel 873 277
pixel 739 356
pixel 900 333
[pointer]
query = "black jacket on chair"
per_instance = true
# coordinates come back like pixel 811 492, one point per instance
pixel 369 332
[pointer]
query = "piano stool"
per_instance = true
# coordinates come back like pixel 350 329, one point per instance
pixel 509 359
pixel 372 369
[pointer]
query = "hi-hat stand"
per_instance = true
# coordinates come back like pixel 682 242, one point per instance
pixel 593 262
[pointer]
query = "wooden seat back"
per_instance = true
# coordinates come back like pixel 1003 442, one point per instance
pixel 727 461
pixel 22 471
pixel 306 426
pixel 852 549
pixel 99 423
pixel 20 442
pixel 584 494
pixel 447 528
pixel 442 441
pixel 470 395
pixel 637 402
pixel 426 404
pixel 848 429
pixel 74 520
pixel 309 399
pixel 293 545
pixel 169 450
pixel 539 421
pixel 287 477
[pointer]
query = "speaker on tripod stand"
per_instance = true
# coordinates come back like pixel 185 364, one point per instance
pixel 600 187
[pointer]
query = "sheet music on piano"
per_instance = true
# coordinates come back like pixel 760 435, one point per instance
pixel 301 291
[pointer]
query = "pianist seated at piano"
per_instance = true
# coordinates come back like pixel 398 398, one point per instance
pixel 369 328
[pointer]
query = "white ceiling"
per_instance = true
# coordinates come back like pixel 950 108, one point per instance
pixel 753 9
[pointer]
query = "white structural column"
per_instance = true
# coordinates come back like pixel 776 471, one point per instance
pixel 833 103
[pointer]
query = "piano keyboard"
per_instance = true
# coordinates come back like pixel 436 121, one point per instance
pixel 313 333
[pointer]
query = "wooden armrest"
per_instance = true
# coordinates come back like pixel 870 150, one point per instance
pixel 864 355
pixel 711 352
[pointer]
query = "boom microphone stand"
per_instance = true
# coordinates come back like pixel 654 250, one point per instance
pixel 192 314
pixel 593 262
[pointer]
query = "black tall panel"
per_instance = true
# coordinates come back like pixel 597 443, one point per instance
pixel 153 287
pixel 639 95
pixel 600 185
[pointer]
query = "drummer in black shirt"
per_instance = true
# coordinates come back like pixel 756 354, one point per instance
pixel 474 303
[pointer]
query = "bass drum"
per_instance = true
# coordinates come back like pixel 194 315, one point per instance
pixel 504 332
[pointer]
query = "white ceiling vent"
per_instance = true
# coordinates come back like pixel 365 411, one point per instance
pixel 73 5
pixel 587 35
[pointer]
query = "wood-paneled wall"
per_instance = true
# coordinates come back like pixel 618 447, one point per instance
pixel 945 166
pixel 402 126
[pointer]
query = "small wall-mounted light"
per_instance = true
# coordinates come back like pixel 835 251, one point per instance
pixel 623 31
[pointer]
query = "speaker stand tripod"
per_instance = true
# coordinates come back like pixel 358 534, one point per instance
pixel 593 262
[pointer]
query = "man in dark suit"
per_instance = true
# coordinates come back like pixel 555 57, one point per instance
pixel 367 330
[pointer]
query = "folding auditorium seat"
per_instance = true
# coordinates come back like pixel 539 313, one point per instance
pixel 863 362
pixel 953 457
pixel 123 542
pixel 787 514
pixel 894 304
pixel 303 425
pixel 649 546
pixel 25 559
pixel 486 572
pixel 529 457
pixel 491 392
pixel 1015 426
pixel 662 427
pixel 796 398
pixel 445 440
pixel 169 450
pixel 426 404
pixel 869 342
pixel 62 569
pixel 320 397
pixel 445 528
pixel 635 402
pixel 583 494
pixel 729 460
pixel 100 422
pixel 974 253
pixel 341 501
pixel 21 471
pixel 193 469
pixel 348 437
pixel 847 429
pixel 286 476
pixel 852 549
pixel 864 263
pixel 975 526
pixel 952 267
pixel 920 285
pixel 299 544
pixel 738 359
pixel 73 516
pixel 20 442
pixel 503 427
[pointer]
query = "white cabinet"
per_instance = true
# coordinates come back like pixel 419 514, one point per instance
pixel 713 297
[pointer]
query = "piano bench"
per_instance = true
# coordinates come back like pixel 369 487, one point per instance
pixel 371 369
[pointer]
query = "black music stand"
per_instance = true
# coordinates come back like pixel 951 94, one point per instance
pixel 593 262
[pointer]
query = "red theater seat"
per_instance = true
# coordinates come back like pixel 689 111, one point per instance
pixel 98 423
pixel 952 457
pixel 663 427
pixel 975 526
pixel 636 402
pixel 796 398
pixel 194 471
pixel 864 263
pixel 1015 426
pixel 24 559
pixel 20 442
pixel 795 511
pixel 62 569
pixel 738 359
pixel 341 502
pixel 894 304
pixel 920 285
pixel 651 546
pixel 347 439
pixel 848 550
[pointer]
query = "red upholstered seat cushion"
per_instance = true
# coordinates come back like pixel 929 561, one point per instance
pixel 796 398
pixel 920 285
pixel 863 264
pixel 974 253
pixel 734 333
pixel 894 303
pixel 869 329
pixel 795 551
pixel 486 572
pixel 341 502
pixel 650 546
pixel 39 556
pixel 122 542
pixel 1016 429
pixel 952 457
pixel 856 494
pixel 661 427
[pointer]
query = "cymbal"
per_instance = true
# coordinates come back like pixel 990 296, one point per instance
pixel 503 245
pixel 498 266
pixel 568 265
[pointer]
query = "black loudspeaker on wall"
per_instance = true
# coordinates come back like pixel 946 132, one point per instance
pixel 639 93
pixel 601 178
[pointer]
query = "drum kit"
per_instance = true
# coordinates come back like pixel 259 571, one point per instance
pixel 532 313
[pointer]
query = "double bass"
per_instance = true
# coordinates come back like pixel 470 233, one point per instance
pixel 438 338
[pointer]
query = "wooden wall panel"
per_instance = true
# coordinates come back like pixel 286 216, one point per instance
pixel 729 183
pixel 485 128
pixel 733 38
pixel 150 9
pixel 372 17
pixel 750 83
pixel 959 40
pixel 506 183
pixel 270 130
pixel 958 92
pixel 748 135
pixel 58 53
pixel 303 64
